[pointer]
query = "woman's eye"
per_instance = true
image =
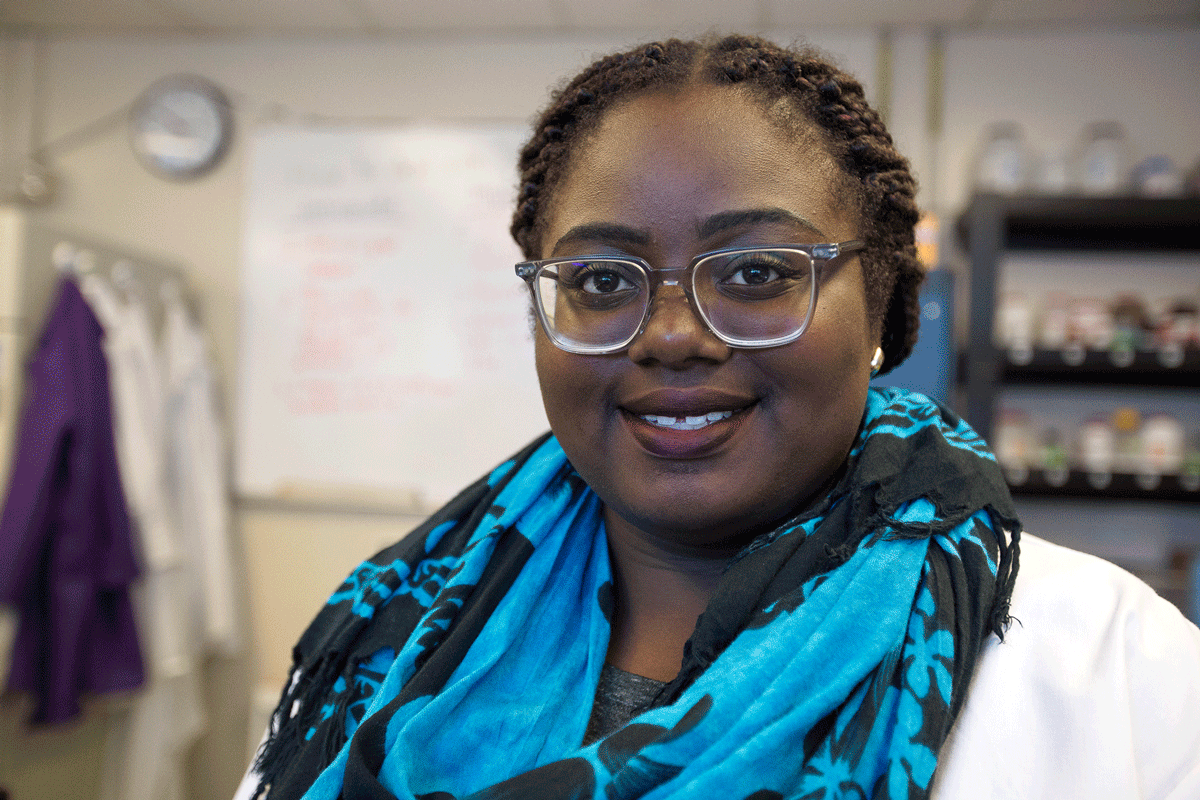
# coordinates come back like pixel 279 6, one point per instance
pixel 602 281
pixel 754 274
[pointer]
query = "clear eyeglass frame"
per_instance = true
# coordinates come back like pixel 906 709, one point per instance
pixel 818 255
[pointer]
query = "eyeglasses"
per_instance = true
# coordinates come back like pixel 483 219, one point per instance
pixel 747 296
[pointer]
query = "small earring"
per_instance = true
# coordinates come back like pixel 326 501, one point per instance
pixel 876 361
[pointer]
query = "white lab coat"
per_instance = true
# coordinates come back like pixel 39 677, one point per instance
pixel 197 476
pixel 148 741
pixel 1093 694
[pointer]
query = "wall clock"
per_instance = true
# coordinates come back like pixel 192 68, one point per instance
pixel 181 127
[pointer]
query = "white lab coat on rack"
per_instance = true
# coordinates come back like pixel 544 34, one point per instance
pixel 148 743
pixel 197 474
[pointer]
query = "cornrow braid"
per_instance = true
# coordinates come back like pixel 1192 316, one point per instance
pixel 878 182
pixel 574 109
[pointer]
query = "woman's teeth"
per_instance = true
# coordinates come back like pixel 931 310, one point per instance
pixel 687 423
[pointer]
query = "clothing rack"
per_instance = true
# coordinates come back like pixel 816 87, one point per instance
pixel 169 565
pixel 33 258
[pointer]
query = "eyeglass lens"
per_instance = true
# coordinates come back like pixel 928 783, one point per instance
pixel 754 296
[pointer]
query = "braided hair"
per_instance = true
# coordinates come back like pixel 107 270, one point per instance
pixel 879 182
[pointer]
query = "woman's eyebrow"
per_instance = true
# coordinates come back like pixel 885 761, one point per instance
pixel 607 232
pixel 719 223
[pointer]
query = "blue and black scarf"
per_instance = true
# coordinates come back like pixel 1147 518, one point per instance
pixel 463 661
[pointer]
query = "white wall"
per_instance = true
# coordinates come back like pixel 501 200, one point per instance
pixel 1053 83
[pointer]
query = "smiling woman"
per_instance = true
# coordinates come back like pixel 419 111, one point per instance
pixel 731 570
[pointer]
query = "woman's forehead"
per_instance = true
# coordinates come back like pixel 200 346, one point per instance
pixel 680 158
pixel 710 106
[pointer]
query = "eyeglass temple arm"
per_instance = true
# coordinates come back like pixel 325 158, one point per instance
pixel 828 252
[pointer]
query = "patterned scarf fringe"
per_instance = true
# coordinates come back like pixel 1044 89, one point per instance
pixel 293 718
pixel 1006 576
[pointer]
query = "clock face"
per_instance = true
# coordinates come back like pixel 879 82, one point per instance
pixel 181 127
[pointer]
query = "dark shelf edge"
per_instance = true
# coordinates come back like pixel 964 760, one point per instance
pixel 1078 486
pixel 1032 222
pixel 1097 368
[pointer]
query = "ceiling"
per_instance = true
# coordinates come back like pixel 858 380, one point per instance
pixel 406 17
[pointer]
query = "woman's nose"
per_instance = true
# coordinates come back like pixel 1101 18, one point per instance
pixel 675 335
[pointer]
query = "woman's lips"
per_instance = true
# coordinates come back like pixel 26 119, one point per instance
pixel 684 436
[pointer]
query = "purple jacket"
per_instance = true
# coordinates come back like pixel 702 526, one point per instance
pixel 66 551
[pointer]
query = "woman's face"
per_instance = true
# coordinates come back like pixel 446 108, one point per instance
pixel 666 177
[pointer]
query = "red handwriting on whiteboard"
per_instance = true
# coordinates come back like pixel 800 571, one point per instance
pixel 364 394
pixel 340 326
pixel 312 396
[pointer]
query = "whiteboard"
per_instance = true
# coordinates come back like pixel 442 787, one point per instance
pixel 386 348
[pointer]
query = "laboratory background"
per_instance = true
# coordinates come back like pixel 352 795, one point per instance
pixel 290 219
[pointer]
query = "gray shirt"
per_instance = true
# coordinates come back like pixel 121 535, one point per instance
pixel 620 696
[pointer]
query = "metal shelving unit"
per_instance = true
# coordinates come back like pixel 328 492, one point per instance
pixel 994 226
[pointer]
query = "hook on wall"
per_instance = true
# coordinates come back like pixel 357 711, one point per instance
pixel 63 257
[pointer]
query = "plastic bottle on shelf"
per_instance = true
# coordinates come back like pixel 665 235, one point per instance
pixel 1089 327
pixel 1002 165
pixel 1097 451
pixel 1157 176
pixel 1055 315
pixel 1127 431
pixel 1176 330
pixel 1162 445
pixel 1130 322
pixel 1189 468
pixel 1102 160
pixel 1014 442
pixel 1015 327
pixel 1054 459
